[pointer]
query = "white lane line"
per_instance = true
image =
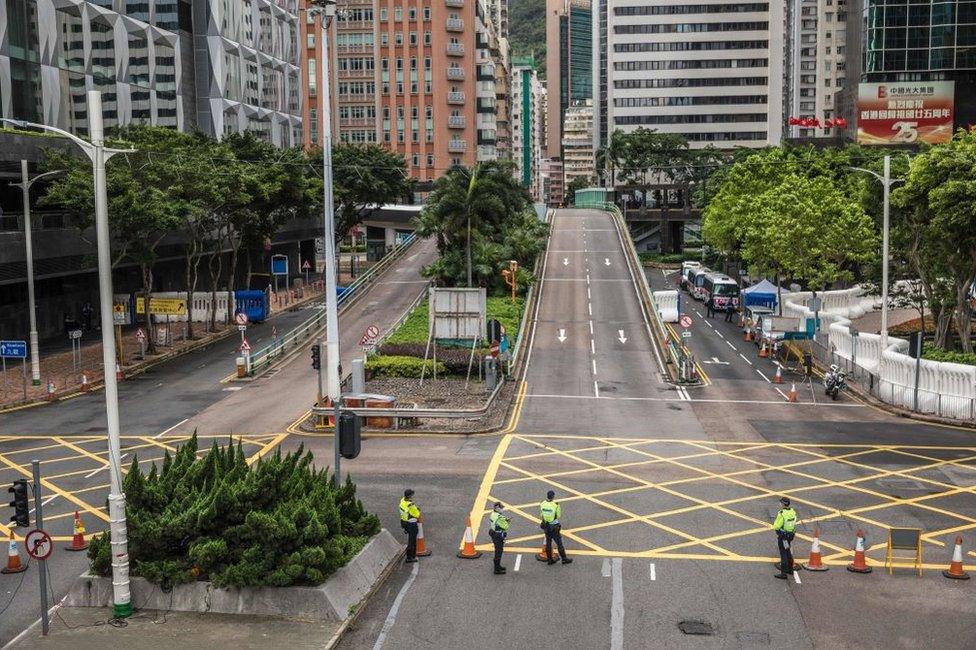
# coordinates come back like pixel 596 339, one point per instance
pixel 763 376
pixel 596 389
pixel 745 359
pixel 160 435
pixel 588 296
pixel 391 617
pixel 719 334
pixel 617 606
pixel 46 501
pixel 709 324
pixel 589 308
pixel 594 365
pixel 653 573
pixel 782 393
pixel 796 577
pixel 105 466
pixel 592 346
pixel 605 569
pixel 232 389
pixel 700 400
pixel 729 343
pixel 699 313
pixel 591 328
pixel 518 562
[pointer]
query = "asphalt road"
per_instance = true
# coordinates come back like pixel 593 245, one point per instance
pixel 158 409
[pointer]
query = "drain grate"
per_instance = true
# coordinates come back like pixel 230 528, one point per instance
pixel 700 628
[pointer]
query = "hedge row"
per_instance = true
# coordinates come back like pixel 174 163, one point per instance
pixel 401 366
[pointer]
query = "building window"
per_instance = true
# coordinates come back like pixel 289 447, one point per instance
pixel 416 160
pixel 412 13
pixel 415 136
pixel 384 39
pixel 413 38
pixel 427 13
pixel 430 135
pixel 430 160
pixel 397 14
pixel 427 38
pixel 312 78
pixel 310 40
pixel 400 137
pixel 383 14
pixel 399 38
pixel 428 87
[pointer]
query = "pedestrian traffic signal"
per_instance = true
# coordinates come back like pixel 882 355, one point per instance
pixel 20 504
pixel 316 356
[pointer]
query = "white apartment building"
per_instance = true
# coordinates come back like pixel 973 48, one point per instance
pixel 528 131
pixel 577 143
pixel 817 61
pixel 711 71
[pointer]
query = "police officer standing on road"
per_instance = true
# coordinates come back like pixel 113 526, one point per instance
pixel 729 312
pixel 785 527
pixel 551 512
pixel 409 514
pixel 498 531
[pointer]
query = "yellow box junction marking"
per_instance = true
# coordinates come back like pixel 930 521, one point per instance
pixel 807 460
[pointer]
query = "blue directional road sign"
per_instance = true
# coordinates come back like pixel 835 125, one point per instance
pixel 279 265
pixel 13 349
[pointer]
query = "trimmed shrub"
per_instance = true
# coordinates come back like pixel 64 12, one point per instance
pixel 454 360
pixel 401 366
pixel 950 356
pixel 278 522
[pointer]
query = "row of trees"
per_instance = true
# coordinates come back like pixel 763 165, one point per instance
pixel 219 198
pixel 481 217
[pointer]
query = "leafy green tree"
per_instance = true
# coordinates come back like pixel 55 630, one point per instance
pixel 578 183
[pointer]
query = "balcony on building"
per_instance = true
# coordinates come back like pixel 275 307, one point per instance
pixel 455 49
pixel 455 25
pixel 457 4
pixel 455 73
pixel 456 121
pixel 457 145
pixel 456 97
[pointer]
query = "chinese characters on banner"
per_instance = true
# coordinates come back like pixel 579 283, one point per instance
pixel 904 112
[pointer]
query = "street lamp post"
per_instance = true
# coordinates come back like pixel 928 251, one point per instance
pixel 327 10
pixel 98 154
pixel 25 185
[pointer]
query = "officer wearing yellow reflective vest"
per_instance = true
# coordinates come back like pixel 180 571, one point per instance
pixel 551 512
pixel 409 514
pixel 785 527
pixel 498 531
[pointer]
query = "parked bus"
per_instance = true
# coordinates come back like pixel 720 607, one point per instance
pixel 720 289
pixel 696 282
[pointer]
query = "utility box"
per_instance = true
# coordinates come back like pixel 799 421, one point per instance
pixel 491 373
pixel 350 435
pixel 358 376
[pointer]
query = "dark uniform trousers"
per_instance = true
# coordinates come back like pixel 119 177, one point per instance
pixel 785 543
pixel 554 534
pixel 498 538
pixel 411 529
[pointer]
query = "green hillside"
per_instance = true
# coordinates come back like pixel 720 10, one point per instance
pixel 527 30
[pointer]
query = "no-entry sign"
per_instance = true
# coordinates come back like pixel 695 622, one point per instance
pixel 685 321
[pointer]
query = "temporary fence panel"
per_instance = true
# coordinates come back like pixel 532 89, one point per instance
pixel 253 303
pixel 667 305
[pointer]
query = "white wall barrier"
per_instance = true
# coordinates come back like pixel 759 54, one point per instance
pixel 202 301
pixel 667 305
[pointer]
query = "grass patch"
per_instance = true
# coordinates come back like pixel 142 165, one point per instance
pixel 415 328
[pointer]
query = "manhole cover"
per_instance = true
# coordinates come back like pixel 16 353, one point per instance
pixel 696 627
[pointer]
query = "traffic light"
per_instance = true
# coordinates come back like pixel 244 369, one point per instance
pixel 350 436
pixel 316 356
pixel 20 504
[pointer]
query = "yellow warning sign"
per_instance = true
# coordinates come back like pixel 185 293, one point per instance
pixel 162 306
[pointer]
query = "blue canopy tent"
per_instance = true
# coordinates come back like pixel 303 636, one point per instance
pixel 762 294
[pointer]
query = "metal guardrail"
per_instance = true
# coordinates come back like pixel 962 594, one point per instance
pixel 266 355
pixel 681 357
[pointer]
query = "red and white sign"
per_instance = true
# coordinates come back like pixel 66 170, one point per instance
pixel 38 544
pixel 140 335
pixel 370 335
pixel 306 266
pixel 245 346
pixel 904 112
pixel 685 321
pixel 240 318
pixel 495 348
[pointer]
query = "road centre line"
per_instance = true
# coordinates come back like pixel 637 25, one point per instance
pixel 653 573
pixel 591 327
pixel 702 400
pixel 594 365
pixel 719 334
pixel 709 324
pixel 518 562
pixel 589 308
pixel 796 577
pixel 394 610
pixel 699 313
pixel 587 280
pixel 745 359
pixel 588 296
pixel 180 423
pixel 592 347
pixel 617 606
pixel 596 388
pixel 763 376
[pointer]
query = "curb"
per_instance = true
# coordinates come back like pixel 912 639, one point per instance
pixel 348 622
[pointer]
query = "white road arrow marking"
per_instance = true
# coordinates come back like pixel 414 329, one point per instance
pixel 565 261
pixel 562 335
pixel 621 337
pixel 606 260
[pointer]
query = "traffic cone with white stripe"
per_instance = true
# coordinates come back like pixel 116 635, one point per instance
pixel 78 542
pixel 85 386
pixel 792 396
pixel 778 377
pixel 815 563
pixel 859 565
pixel 468 551
pixel 763 352
pixel 955 570
pixel 422 550
pixel 14 565
pixel 118 372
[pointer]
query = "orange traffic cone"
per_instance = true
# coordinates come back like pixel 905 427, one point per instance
pixel 13 558
pixel 763 352
pixel 118 372
pixel 468 551
pixel 815 562
pixel 84 383
pixel 78 542
pixel 859 565
pixel 955 567
pixel 792 395
pixel 778 377
pixel 421 543
pixel 748 335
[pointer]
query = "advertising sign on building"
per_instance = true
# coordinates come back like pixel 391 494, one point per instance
pixel 904 112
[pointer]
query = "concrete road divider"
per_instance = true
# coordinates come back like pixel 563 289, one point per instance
pixel 859 565
pixel 955 570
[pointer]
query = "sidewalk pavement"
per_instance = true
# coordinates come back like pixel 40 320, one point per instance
pixel 91 628
pixel 61 369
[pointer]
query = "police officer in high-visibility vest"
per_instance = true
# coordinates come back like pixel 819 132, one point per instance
pixel 498 531
pixel 409 514
pixel 551 512
pixel 785 527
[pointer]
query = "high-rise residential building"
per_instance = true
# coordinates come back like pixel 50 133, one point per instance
pixel 528 130
pixel 569 66
pixel 553 184
pixel 911 42
pixel 710 72
pixel 486 95
pixel 219 67
pixel 578 161
pixel 816 66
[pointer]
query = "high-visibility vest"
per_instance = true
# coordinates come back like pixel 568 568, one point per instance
pixel 498 521
pixel 408 510
pixel 550 511
pixel 785 520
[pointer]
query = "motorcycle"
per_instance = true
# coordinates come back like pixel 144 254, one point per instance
pixel 835 380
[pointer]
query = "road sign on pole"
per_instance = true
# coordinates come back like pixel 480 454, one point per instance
pixel 245 346
pixel 13 349
pixel 38 544
pixel 685 321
